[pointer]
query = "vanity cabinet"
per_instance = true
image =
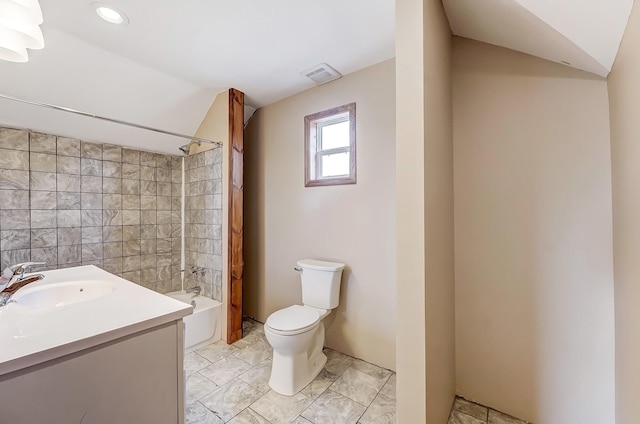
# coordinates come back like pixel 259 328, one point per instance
pixel 135 379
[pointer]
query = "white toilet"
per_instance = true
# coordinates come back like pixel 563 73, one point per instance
pixel 296 333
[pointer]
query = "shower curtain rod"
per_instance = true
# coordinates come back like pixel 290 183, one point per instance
pixel 115 121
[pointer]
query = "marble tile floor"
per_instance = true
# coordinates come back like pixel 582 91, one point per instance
pixel 465 412
pixel 229 384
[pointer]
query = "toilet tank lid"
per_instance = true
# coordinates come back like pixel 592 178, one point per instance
pixel 320 265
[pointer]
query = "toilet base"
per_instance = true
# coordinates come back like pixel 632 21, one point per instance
pixel 291 373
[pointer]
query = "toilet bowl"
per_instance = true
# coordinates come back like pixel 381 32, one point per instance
pixel 296 333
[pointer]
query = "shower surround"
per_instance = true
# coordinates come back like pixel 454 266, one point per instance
pixel 68 202
pixel 203 221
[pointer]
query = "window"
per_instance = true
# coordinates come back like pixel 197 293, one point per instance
pixel 330 146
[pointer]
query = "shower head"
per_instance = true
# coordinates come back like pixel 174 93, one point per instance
pixel 185 149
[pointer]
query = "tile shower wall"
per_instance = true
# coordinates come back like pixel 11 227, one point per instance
pixel 203 221
pixel 68 202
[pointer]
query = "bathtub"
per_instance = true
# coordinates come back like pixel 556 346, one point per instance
pixel 203 326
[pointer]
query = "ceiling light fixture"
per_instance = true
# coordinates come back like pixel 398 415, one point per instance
pixel 110 14
pixel 20 22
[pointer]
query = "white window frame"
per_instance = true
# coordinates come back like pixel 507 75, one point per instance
pixel 314 153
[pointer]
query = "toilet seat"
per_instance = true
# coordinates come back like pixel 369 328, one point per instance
pixel 293 320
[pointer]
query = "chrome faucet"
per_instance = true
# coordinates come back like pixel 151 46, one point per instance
pixel 196 290
pixel 17 280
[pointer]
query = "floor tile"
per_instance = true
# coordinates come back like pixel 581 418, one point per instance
pixel 278 408
pixel 333 408
pixel 194 362
pixel 458 417
pixel 389 388
pixel 337 362
pixel 301 420
pixel 258 376
pixel 496 417
pixel 198 386
pixel 216 351
pixel 255 352
pixel 381 411
pixel 470 408
pixel 225 370
pixel 228 401
pixel 370 369
pixel 248 416
pixel 196 413
pixel 358 386
pixel 319 384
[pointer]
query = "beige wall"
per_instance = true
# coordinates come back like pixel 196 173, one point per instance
pixel 424 225
pixel 354 224
pixel 215 127
pixel 533 244
pixel 624 92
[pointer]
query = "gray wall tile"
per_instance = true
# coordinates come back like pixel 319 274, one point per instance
pixel 112 169
pixel 68 182
pixel 68 147
pixel 70 236
pixel 43 143
pixel 68 218
pixel 43 218
pixel 111 217
pixel 43 181
pixel 112 185
pixel 49 255
pixel 15 239
pixel 46 237
pixel 91 235
pixel 68 165
pixel 110 234
pixel 91 252
pixel 91 184
pixel 90 150
pixel 68 200
pixel 131 156
pixel 14 179
pixel 14 199
pixel 43 162
pixel 43 200
pixel 15 219
pixel 91 218
pixel 64 204
pixel 90 167
pixel 91 201
pixel 14 139
pixel 69 254
pixel 112 153
pixel 14 159
pixel 9 257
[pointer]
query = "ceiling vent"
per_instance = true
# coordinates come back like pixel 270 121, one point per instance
pixel 321 74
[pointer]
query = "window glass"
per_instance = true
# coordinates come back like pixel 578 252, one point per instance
pixel 330 146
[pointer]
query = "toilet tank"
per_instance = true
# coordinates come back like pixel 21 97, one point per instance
pixel 320 283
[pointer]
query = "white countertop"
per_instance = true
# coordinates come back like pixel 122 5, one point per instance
pixel 30 336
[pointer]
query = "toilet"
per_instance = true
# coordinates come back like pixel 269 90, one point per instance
pixel 296 333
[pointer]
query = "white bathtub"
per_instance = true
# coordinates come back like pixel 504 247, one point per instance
pixel 203 326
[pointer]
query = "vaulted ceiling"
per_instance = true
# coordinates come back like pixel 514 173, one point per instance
pixel 584 34
pixel 166 66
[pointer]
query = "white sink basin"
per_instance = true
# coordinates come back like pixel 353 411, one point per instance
pixel 62 294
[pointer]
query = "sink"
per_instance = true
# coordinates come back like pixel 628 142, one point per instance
pixel 62 294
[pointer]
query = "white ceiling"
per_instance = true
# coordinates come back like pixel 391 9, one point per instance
pixel 165 68
pixel 583 33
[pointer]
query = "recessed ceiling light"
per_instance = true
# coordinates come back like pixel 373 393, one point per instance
pixel 110 14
